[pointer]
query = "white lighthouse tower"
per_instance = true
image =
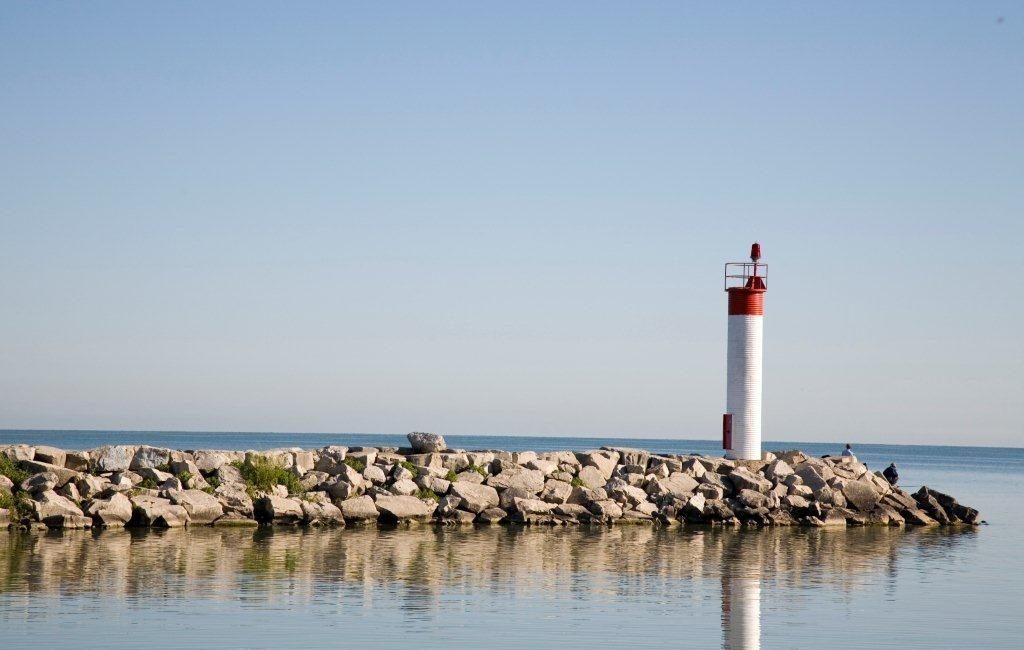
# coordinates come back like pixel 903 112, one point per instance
pixel 746 284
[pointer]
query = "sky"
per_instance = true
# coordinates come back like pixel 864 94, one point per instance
pixel 475 218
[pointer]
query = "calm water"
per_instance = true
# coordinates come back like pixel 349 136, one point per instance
pixel 504 587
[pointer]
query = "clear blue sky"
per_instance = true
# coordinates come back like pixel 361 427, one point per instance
pixel 488 219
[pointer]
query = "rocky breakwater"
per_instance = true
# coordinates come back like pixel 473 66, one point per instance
pixel 116 486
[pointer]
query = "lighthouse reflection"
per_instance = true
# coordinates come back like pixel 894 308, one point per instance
pixel 642 577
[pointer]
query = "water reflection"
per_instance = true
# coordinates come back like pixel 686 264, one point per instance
pixel 415 570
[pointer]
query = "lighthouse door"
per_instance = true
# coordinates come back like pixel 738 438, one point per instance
pixel 727 431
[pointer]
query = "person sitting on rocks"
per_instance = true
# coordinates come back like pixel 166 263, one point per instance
pixel 891 474
pixel 848 454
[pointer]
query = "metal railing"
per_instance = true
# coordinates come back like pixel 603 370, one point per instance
pixel 737 274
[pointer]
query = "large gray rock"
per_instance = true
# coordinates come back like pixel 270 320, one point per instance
pixel 234 498
pixel 115 458
pixel 63 474
pixel 403 508
pixel 777 470
pixel 157 513
pixel 814 475
pixel 39 482
pixel 50 505
pixel 606 510
pixel 678 485
pixel 426 442
pixel 210 461
pixel 115 511
pixel 556 491
pixel 202 508
pixel 861 495
pixel 146 457
pixel 604 460
pixel 473 497
pixel 743 479
pixel 50 455
pixel 278 510
pixel 359 510
pixel 404 487
pixel 77 460
pixel 591 477
pixel 492 516
pixel 530 480
pixel 321 513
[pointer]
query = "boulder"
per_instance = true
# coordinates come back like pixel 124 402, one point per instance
pixel 556 491
pixel 41 482
pixel 403 508
pixel 48 504
pixel 202 508
pixel 507 498
pixel 157 513
pixel 678 485
pixel 492 515
pixel 359 510
pixel 375 474
pixel 605 510
pixel 533 506
pixel 752 498
pixel 475 498
pixel 7 484
pixel 777 470
pixel 592 477
pixel 426 442
pixel 210 461
pixel 321 513
pixel 77 461
pixel 63 474
pixel 228 474
pixel 115 458
pixel 530 480
pixel 860 495
pixel 546 466
pixel 68 522
pixel 278 510
pixel 235 499
pixel 146 457
pixel 605 461
pixel 743 479
pixel 404 487
pixel 630 455
pixel 115 511
pixel 50 455
pixel 814 476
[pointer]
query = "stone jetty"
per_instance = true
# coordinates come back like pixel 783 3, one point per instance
pixel 428 482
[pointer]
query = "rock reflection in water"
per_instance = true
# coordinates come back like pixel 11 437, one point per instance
pixel 419 566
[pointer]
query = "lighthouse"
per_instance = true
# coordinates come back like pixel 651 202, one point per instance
pixel 745 283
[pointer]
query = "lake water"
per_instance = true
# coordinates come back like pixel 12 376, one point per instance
pixel 514 587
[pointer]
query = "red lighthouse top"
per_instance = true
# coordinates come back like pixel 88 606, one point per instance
pixel 746 283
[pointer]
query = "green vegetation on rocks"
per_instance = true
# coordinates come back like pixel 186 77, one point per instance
pixel 355 463
pixel 9 469
pixel 262 475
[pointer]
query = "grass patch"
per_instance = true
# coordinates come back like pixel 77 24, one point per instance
pixel 262 474
pixel 163 467
pixel 577 482
pixel 19 505
pixel 428 494
pixel 184 476
pixel 355 464
pixel 409 466
pixel 479 470
pixel 214 482
pixel 148 483
pixel 9 469
pixel 451 476
pixel 208 490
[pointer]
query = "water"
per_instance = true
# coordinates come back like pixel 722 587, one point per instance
pixel 511 587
